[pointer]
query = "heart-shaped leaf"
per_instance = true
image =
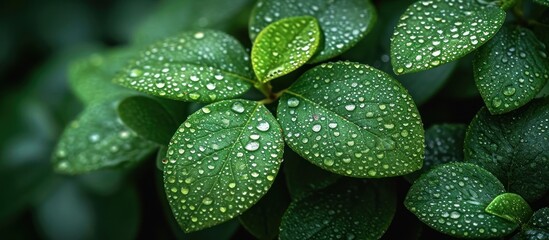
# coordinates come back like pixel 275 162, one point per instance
pixel 221 161
pixel 451 198
pixel 510 206
pixel 148 118
pixel 443 144
pixel 353 120
pixel 202 66
pixel 349 209
pixel 263 219
pixel 511 69
pixel 434 32
pixel 91 77
pixel 513 147
pixel 98 139
pixel 343 22
pixel 284 46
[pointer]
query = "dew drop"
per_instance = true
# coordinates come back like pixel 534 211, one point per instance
pixel 328 162
pixel 509 91
pixel 207 201
pixel 316 128
pixel 238 107
pixel 350 107
pixel 263 126
pixel 252 146
pixel 293 102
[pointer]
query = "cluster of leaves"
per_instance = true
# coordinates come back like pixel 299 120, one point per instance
pixel 349 120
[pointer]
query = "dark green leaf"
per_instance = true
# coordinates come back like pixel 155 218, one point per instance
pixel 91 77
pixel 303 177
pixel 263 219
pixel 148 118
pixel 221 161
pixel 343 22
pixel 171 17
pixel 353 120
pixel 511 69
pixel 349 209
pixel 538 226
pixel 194 66
pixel 510 206
pixel 425 84
pixel 513 147
pixel 97 139
pixel 443 144
pixel 284 46
pixel 543 2
pixel 161 159
pixel 451 198
pixel 435 32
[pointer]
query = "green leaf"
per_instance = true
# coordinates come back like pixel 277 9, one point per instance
pixel 511 207
pixel 303 177
pixel 91 77
pixel 443 144
pixel 284 46
pixel 538 226
pixel 435 32
pixel 343 22
pixel 161 157
pixel 542 2
pixel 98 139
pixel 221 161
pixel 200 66
pixel 148 118
pixel 511 69
pixel 349 209
pixel 451 198
pixel 263 219
pixel 513 147
pixel 353 120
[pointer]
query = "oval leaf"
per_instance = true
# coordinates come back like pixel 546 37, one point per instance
pixel 443 144
pixel 349 209
pixel 353 120
pixel 221 161
pixel 511 207
pixel 343 22
pixel 451 198
pixel 511 69
pixel 91 77
pixel 435 32
pixel 284 46
pixel 148 118
pixel 194 66
pixel 513 147
pixel 98 139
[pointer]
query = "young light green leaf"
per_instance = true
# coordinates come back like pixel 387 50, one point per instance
pixel 91 77
pixel 542 2
pixel 263 219
pixel 202 66
pixel 221 161
pixel 435 32
pixel 443 144
pixel 343 22
pixel 353 120
pixel 98 139
pixel 513 147
pixel 451 198
pixel 148 118
pixel 303 177
pixel 538 226
pixel 284 46
pixel 510 206
pixel 349 209
pixel 511 69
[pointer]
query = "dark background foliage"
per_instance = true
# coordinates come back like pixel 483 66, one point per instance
pixel 38 39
